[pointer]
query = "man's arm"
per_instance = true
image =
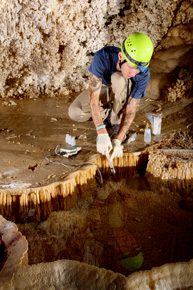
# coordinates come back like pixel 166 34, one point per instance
pixel 127 118
pixel 93 100
pixel 103 141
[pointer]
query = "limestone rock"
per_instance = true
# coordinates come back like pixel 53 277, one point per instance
pixel 46 46
pixel 171 66
pixel 16 247
pixel 66 274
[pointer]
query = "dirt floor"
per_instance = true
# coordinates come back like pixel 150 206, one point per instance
pixel 31 129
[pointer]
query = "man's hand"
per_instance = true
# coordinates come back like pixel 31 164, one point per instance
pixel 103 143
pixel 117 149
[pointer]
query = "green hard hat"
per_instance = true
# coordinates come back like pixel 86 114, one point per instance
pixel 137 49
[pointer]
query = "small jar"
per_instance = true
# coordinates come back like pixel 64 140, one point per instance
pixel 147 135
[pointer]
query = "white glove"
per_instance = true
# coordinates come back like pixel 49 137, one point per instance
pixel 104 145
pixel 117 149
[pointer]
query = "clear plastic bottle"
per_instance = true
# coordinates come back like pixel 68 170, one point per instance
pixel 147 134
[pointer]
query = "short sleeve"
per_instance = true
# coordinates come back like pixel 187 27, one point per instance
pixel 139 85
pixel 97 67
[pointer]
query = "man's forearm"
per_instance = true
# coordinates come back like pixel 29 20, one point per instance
pixel 93 99
pixel 127 118
pixel 95 112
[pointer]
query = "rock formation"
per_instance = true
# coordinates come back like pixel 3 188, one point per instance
pixel 15 249
pixel 45 50
pixel 66 274
pixel 19 204
pixel 46 47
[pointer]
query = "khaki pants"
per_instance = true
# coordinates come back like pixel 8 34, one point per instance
pixel 79 110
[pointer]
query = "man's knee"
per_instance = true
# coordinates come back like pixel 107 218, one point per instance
pixel 74 113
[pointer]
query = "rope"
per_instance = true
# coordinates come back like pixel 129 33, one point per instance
pixel 57 162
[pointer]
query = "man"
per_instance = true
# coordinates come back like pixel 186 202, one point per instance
pixel 126 70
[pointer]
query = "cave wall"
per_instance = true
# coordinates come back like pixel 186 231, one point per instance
pixel 46 46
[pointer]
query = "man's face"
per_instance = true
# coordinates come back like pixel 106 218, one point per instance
pixel 128 70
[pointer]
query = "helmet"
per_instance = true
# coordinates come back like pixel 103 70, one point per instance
pixel 137 49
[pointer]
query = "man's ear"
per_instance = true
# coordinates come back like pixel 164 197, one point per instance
pixel 120 56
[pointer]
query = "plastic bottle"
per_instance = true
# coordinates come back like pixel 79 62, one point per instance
pixel 70 140
pixel 147 134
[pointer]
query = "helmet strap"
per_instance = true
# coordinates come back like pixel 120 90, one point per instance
pixel 122 62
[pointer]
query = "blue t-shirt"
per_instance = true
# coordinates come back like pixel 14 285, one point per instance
pixel 104 64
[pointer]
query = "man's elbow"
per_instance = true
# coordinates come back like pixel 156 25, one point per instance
pixel 130 109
